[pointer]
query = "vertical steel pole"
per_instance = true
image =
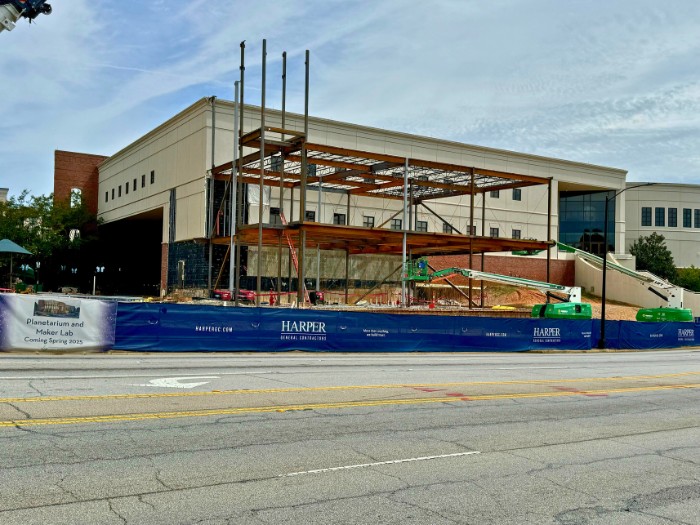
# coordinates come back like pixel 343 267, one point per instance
pixel 347 256
pixel 409 226
pixel 282 158
pixel 291 214
pixel 212 187
pixel 549 230
pixel 483 234
pixel 403 226
pixel 291 199
pixel 601 343
pixel 471 237
pixel 320 220
pixel 234 192
pixel 262 176
pixel 240 180
pixel 302 195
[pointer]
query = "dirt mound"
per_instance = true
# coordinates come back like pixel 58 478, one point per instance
pixel 525 298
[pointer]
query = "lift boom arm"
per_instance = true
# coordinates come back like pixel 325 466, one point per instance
pixel 418 271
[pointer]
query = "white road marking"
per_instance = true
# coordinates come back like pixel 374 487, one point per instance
pixel 120 376
pixel 174 382
pixel 377 464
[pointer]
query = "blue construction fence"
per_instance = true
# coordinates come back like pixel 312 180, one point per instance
pixel 181 328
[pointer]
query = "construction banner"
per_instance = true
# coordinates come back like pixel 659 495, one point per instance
pixel 44 322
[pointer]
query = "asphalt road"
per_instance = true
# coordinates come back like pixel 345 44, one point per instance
pixel 372 439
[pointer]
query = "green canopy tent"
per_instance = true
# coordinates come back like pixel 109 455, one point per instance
pixel 7 246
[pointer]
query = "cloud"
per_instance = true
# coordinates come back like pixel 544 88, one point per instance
pixel 609 83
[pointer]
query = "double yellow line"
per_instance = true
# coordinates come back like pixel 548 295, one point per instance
pixel 290 408
pixel 331 388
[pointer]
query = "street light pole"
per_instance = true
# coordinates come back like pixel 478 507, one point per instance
pixel 601 341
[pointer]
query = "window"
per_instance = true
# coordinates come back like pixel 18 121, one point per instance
pixel 310 216
pixel 368 222
pixel 143 181
pixel 134 184
pixel 421 226
pixel 112 193
pixel 473 230
pixel 687 217
pixel 696 222
pixel 517 194
pixel 396 224
pixel 646 216
pixel 126 187
pixel 495 194
pixel 338 218
pixel 660 219
pixel 153 177
pixel 106 196
pixel 494 232
pixel 516 234
pixel 446 228
pixel 673 217
pixel 582 220
pixel 368 180
pixel 275 216
pixel 120 191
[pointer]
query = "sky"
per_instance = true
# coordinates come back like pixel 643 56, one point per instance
pixel 612 82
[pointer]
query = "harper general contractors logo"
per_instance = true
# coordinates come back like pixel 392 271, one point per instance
pixel 303 331
pixel 686 334
pixel 546 335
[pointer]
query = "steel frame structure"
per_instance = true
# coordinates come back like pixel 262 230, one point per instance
pixel 281 158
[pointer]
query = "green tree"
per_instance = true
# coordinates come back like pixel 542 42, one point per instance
pixel 653 255
pixel 56 232
pixel 689 278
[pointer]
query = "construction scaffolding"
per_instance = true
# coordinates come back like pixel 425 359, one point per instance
pixel 281 158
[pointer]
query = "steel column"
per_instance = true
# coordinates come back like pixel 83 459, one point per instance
pixel 471 237
pixel 483 234
pixel 234 182
pixel 403 226
pixel 212 186
pixel 239 220
pixel 302 189
pixel 549 230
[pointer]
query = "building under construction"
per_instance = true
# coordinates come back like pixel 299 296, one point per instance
pixel 229 195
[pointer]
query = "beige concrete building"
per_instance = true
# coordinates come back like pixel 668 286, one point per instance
pixel 672 210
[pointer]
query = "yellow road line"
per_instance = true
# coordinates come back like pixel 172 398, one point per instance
pixel 328 388
pixel 353 404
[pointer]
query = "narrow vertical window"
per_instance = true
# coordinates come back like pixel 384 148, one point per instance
pixel 517 194
pixel 646 216
pixel 687 217
pixel 153 177
pixel 660 218
pixel 673 217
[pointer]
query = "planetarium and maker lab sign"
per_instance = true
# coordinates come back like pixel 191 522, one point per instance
pixel 30 322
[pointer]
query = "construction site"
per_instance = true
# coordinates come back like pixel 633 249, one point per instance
pixel 238 205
